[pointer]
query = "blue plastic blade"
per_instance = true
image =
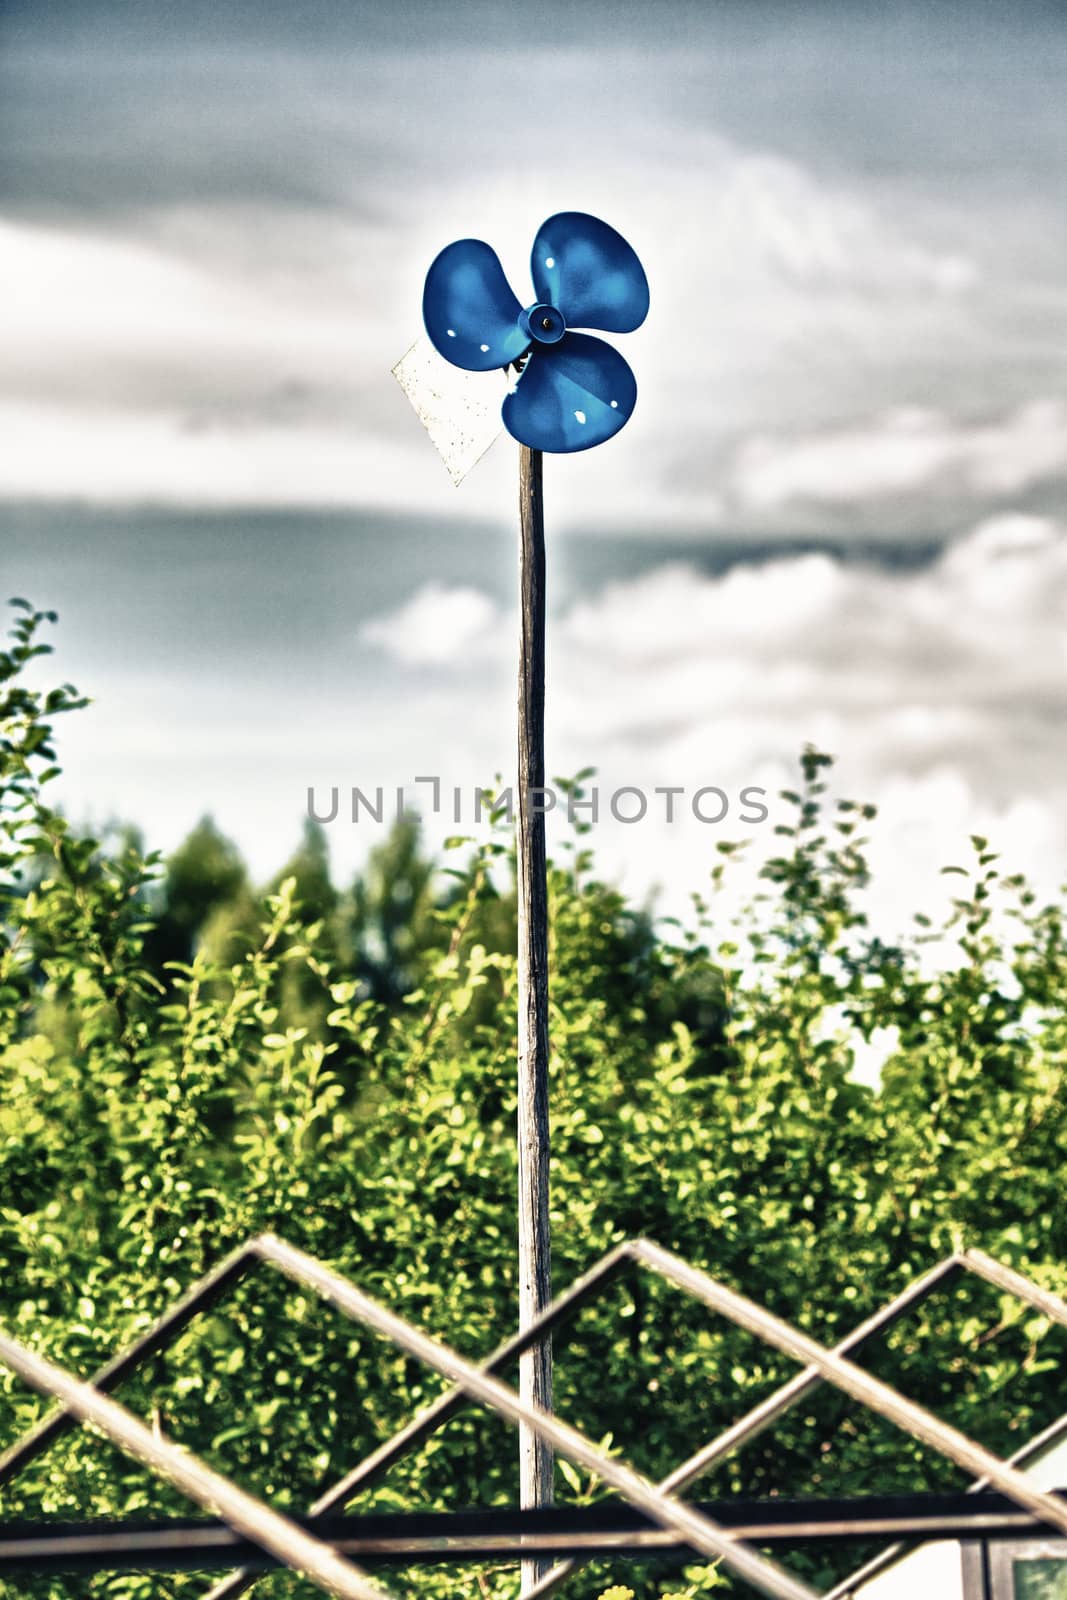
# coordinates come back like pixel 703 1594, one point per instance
pixel 470 312
pixel 571 395
pixel 590 273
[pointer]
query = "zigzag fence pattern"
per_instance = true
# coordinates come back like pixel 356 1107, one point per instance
pixel 319 1545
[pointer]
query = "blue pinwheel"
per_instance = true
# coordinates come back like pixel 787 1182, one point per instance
pixel 572 390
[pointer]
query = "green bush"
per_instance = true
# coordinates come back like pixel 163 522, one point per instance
pixel 154 1116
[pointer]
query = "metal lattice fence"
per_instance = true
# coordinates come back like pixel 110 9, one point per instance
pixel 328 1547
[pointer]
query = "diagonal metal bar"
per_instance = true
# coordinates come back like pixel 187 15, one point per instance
pixel 162 1333
pixel 700 1532
pixel 790 1394
pixel 267 1528
pixel 1001 1277
pixel 852 1380
pixel 696 1530
pixel 209 1289
pixel 762 1416
pixel 1030 1293
pixel 743 1431
pixel 373 1467
pixel 826 1365
pixel 561 1309
pixel 204 1294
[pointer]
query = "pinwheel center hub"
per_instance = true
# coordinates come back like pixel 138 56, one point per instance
pixel 544 324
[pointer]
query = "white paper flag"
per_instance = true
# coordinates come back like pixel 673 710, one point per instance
pixel 459 410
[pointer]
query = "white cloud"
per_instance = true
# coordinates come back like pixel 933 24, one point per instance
pixel 764 214
pixel 220 332
pixel 940 691
pixel 99 319
pixel 772 289
pixel 905 456
pixel 60 452
pixel 437 626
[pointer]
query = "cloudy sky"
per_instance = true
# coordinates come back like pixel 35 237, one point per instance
pixel 839 510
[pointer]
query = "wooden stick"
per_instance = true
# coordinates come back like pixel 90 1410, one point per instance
pixel 535 1262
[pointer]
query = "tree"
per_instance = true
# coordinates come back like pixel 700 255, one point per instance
pixel 204 877
pixel 302 1000
pixel 390 919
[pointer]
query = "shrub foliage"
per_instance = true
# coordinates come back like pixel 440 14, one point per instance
pixel 184 1064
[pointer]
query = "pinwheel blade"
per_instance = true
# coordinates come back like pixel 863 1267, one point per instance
pixel 571 396
pixel 590 273
pixel 470 312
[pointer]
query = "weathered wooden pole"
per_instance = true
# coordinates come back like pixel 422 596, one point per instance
pixel 572 391
pixel 535 1262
